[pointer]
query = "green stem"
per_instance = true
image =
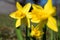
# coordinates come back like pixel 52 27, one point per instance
pixel 28 32
pixel 19 34
pixel 0 38
pixel 52 36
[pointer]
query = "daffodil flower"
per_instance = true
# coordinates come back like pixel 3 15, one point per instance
pixel 35 32
pixel 39 14
pixel 20 13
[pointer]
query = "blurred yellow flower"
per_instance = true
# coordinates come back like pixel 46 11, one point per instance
pixel 36 32
pixel 20 13
pixel 39 14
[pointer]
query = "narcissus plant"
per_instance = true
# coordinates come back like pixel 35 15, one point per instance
pixel 46 14
pixel 20 13
pixel 36 32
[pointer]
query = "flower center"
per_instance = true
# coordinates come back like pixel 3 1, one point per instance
pixel 20 15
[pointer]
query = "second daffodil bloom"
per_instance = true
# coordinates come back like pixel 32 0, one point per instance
pixel 45 14
pixel 20 13
pixel 36 32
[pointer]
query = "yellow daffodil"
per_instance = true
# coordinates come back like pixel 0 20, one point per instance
pixel 20 13
pixel 39 14
pixel 35 32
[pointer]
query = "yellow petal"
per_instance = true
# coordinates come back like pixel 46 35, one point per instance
pixel 49 8
pixel 28 22
pixel 29 15
pixel 18 22
pixel 16 15
pixel 13 15
pixel 19 7
pixel 36 6
pixel 52 24
pixel 26 8
pixel 32 27
pixel 35 20
pixel 36 32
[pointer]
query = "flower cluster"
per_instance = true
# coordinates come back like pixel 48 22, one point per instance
pixel 39 15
